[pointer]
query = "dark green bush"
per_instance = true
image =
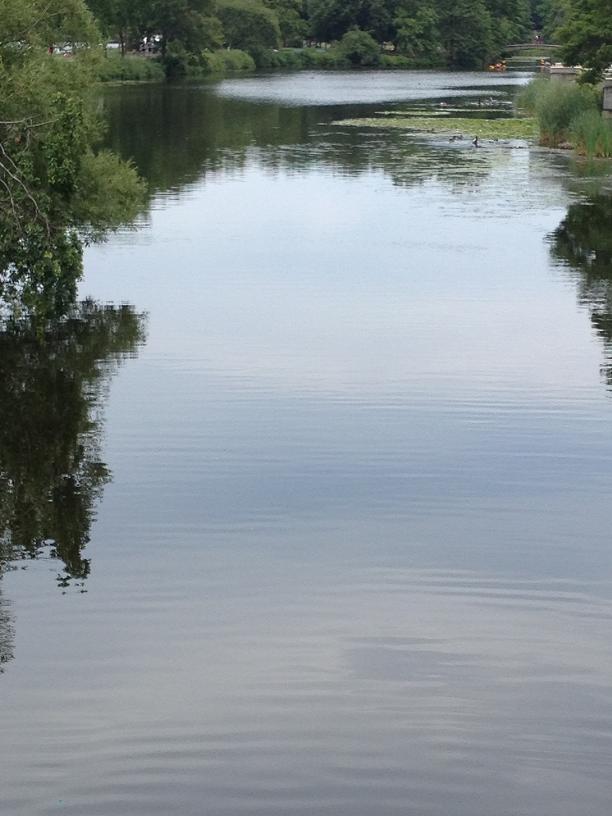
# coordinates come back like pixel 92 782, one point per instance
pixel 115 68
pixel 359 49
pixel 396 61
pixel 319 58
pixel 227 60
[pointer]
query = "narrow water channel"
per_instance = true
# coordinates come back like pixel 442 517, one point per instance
pixel 308 506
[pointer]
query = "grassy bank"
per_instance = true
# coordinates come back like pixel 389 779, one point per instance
pixel 179 64
pixel 133 68
pixel 568 115
pixel 331 58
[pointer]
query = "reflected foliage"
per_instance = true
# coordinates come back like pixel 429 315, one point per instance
pixel 193 132
pixel 53 379
pixel 583 242
pixel 6 635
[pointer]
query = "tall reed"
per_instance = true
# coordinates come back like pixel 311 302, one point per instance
pixel 556 105
pixel 592 135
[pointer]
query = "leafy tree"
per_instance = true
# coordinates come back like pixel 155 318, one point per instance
pixel 117 18
pixel 192 23
pixel 189 22
pixel 248 24
pixel 376 17
pixel 331 19
pixel 547 16
pixel 418 32
pixel 586 35
pixel 56 189
pixel 466 32
pixel 293 25
pixel 359 49
pixel 511 21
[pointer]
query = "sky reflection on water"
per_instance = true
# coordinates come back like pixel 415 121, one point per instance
pixel 355 555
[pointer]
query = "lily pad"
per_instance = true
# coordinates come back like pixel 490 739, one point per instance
pixel 508 128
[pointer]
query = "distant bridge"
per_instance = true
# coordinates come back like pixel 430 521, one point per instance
pixel 530 46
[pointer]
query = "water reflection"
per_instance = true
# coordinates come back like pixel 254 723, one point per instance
pixel 583 242
pixel 6 634
pixel 356 557
pixel 194 132
pixel 53 381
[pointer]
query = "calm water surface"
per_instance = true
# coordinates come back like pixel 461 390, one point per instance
pixel 319 523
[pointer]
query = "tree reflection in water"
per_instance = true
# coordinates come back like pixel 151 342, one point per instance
pixel 6 635
pixel 53 380
pixel 583 242
pixel 191 133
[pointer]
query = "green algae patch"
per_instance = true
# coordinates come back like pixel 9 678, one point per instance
pixel 418 113
pixel 508 128
pixel 428 113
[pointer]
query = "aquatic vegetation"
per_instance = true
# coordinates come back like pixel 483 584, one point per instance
pixel 508 128
pixel 415 112
pixel 447 111
pixel 556 106
pixel 592 135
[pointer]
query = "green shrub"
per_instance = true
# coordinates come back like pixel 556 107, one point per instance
pixel 115 68
pixel 318 58
pixel 592 135
pixel 396 61
pixel 287 58
pixel 526 98
pixel 297 58
pixel 177 61
pixel 359 49
pixel 227 60
pixel 556 105
pixel 264 57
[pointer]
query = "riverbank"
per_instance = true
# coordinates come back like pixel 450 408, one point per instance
pixel 180 65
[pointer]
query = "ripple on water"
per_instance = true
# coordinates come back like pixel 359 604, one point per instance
pixel 354 559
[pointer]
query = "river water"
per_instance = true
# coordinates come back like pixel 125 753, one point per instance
pixel 308 507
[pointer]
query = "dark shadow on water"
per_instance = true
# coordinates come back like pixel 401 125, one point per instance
pixel 53 384
pixel 583 244
pixel 192 131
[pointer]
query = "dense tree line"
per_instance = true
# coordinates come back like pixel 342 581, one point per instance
pixel 457 33
pixel 461 33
